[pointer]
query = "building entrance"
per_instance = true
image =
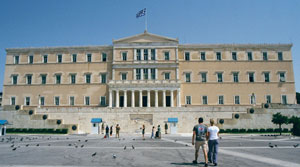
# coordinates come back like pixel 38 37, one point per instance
pixel 168 101
pixel 121 101
pixel 144 101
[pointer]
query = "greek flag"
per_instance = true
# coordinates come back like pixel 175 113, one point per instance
pixel 141 13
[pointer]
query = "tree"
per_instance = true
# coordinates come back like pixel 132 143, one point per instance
pixel 296 125
pixel 279 119
pixel 298 97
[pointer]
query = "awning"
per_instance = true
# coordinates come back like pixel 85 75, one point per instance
pixel 173 120
pixel 96 120
pixel 3 122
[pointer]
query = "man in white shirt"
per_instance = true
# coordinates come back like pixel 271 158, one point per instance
pixel 213 143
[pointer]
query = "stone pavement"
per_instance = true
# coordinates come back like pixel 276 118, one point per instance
pixel 171 150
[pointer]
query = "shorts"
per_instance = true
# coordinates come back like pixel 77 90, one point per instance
pixel 203 145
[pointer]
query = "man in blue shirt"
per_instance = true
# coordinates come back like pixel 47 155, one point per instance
pixel 200 136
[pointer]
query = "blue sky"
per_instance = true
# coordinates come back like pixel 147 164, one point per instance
pixel 38 23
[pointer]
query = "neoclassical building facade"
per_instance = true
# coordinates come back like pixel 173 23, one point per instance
pixel 148 70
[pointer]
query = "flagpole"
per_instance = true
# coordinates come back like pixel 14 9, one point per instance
pixel 146 22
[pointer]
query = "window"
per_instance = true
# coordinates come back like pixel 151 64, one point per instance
pixel 29 79
pixel 280 57
pixel 234 57
pixel 204 100
pixel 56 100
pixel 145 73
pixel 89 57
pixel 251 76
pixel 30 59
pixel 221 99
pixel 249 56
pixel 145 54
pixel 235 76
pixel 72 100
pixel 236 99
pixel 283 99
pixel 104 57
pixel 45 59
pixel 268 99
pixel 138 54
pixel 27 101
pixel 167 55
pixel 138 74
pixel 187 77
pixel 44 79
pixel 14 79
pixel 167 76
pixel 188 100
pixel 187 56
pixel 220 77
pixel 253 99
pixel 87 78
pixel 59 58
pixel 103 78
pixel 153 54
pixel 102 101
pixel 124 76
pixel 73 78
pixel 219 56
pixel 16 59
pixel 153 75
pixel 87 100
pixel 74 58
pixel 202 56
pixel 267 76
pixel 281 76
pixel 58 78
pixel 203 77
pixel 42 101
pixel 265 56
pixel 13 101
pixel 124 56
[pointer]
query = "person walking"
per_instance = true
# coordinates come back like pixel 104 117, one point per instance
pixel 213 143
pixel 102 128
pixel 111 130
pixel 166 128
pixel 158 132
pixel 107 131
pixel 118 131
pixel 153 130
pixel 143 132
pixel 200 135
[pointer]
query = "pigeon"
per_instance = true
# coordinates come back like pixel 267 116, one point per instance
pixel 67 138
pixel 86 140
pixel 70 144
pixel 132 147
pixel 12 145
pixel 49 144
pixel 27 145
pixel 275 145
pixel 76 146
pixel 175 140
pixel 94 154
pixel 82 146
pixel 14 148
pixel 271 146
pixel 114 156
pixel 186 145
pixel 78 140
pixel 125 148
pixel 296 145
pixel 133 139
pixel 38 145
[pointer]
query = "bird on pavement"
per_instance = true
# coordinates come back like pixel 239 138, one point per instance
pixel 12 145
pixel 133 147
pixel 296 145
pixel 82 146
pixel 14 148
pixel 94 154
pixel 86 140
pixel 38 145
pixel 70 144
pixel 78 140
pixel 275 145
pixel 175 140
pixel 27 145
pixel 49 144
pixel 125 148
pixel 114 156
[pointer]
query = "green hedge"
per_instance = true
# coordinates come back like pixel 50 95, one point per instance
pixel 43 131
pixel 270 130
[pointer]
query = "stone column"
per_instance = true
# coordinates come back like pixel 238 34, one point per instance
pixel 148 99
pixel 117 98
pixel 142 74
pixel 134 74
pixel 156 98
pixel 149 54
pixel 110 98
pixel 113 74
pixel 125 98
pixel 141 98
pixel 134 55
pixel 155 54
pixel 172 103
pixel 156 74
pixel 132 99
pixel 177 73
pixel 178 98
pixel 142 54
pixel 176 55
pixel 149 73
pixel 164 98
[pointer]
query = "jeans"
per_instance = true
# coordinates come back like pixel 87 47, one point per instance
pixel 213 146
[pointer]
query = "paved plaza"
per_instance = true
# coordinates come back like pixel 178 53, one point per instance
pixel 171 150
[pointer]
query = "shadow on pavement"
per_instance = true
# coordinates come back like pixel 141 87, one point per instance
pixel 187 163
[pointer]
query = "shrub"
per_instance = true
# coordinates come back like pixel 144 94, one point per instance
pixel 221 121
pixel 249 130
pixel 270 130
pixel 255 130
pixel 285 130
pixel 30 112
pixel 234 130
pixel 222 130
pixel 251 110
pixel 227 130
pixel 266 105
pixel 242 130
pixel 277 130
pixel 262 130
pixel 237 116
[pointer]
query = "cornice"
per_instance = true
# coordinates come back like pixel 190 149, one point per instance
pixel 234 46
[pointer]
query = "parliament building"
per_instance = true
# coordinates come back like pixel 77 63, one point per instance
pixel 148 72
